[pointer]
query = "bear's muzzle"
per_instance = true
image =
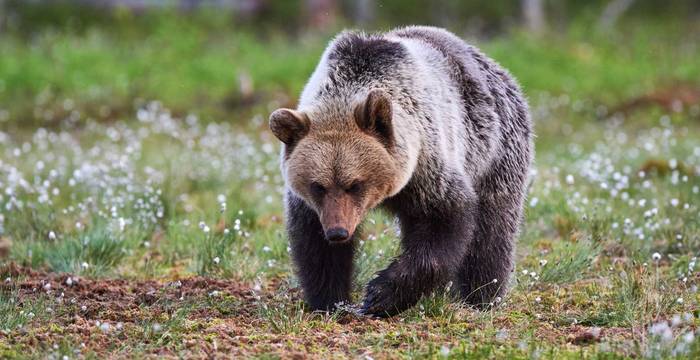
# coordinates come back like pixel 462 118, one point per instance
pixel 339 217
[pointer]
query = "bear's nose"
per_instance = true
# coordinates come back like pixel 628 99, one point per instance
pixel 337 234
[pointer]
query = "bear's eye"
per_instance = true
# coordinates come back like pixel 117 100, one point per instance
pixel 355 188
pixel 317 189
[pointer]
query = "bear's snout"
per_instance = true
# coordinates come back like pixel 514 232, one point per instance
pixel 339 216
pixel 337 235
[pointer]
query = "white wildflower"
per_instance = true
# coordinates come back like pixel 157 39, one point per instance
pixel 570 179
pixel 534 201
pixel 444 351
pixel 105 327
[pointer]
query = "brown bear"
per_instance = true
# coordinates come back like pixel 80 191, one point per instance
pixel 426 126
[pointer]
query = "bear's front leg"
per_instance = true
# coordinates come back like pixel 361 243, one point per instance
pixel 432 251
pixel 324 269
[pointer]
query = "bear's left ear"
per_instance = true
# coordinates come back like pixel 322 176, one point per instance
pixel 374 116
pixel 289 126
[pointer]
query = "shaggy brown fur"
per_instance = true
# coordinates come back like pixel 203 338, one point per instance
pixel 426 126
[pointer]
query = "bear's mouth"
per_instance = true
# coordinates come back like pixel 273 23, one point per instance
pixel 339 242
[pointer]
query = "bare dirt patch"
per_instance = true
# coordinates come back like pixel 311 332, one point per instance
pixel 118 298
pixel 200 317
pixel 90 313
pixel 673 98
pixel 194 317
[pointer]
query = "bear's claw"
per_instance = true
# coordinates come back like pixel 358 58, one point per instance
pixel 380 300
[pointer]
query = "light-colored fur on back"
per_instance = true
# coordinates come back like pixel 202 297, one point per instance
pixel 432 123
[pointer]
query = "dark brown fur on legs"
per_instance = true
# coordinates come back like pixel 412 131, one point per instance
pixel 324 269
pixel 490 254
pixel 434 242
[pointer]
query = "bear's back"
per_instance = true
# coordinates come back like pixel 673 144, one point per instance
pixel 485 87
pixel 467 67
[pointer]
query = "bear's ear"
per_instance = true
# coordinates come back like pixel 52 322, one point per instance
pixel 374 116
pixel 289 126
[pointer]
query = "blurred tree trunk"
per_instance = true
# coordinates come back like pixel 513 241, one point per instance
pixel 533 13
pixel 3 14
pixel 612 12
pixel 364 11
pixel 320 14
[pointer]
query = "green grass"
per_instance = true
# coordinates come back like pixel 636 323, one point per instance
pixel 568 262
pixel 216 69
pixel 100 146
pixel 92 251
pixel 14 314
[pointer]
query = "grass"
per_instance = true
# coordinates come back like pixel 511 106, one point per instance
pixel 568 262
pixel 15 314
pixel 215 69
pixel 139 162
pixel 93 251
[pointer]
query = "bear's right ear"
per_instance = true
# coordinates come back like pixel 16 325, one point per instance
pixel 289 126
pixel 374 116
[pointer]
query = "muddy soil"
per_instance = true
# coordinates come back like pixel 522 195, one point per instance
pixel 201 317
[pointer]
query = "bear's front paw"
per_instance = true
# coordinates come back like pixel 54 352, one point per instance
pixel 381 297
pixel 326 302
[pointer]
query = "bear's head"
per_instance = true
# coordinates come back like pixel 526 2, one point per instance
pixel 341 168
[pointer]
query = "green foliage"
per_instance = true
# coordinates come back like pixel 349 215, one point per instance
pixel 214 254
pixel 569 262
pixel 206 65
pixel 641 298
pixel 167 331
pixel 442 305
pixel 280 315
pixel 97 250
pixel 183 65
pixel 14 314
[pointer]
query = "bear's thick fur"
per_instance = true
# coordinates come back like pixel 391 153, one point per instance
pixel 426 126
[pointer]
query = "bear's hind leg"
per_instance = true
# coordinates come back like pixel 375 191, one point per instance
pixel 324 269
pixel 489 261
